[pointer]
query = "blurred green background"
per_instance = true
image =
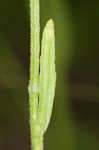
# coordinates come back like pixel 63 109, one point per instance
pixel 75 120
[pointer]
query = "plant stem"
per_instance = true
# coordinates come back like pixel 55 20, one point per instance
pixel 34 65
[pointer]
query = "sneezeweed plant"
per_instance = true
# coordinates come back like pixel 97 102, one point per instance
pixel 42 76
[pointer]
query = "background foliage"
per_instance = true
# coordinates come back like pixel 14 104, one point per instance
pixel 75 121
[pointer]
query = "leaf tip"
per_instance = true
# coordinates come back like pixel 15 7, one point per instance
pixel 51 27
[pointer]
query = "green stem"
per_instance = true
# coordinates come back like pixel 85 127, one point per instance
pixel 34 65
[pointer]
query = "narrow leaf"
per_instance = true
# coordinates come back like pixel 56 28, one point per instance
pixel 47 81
